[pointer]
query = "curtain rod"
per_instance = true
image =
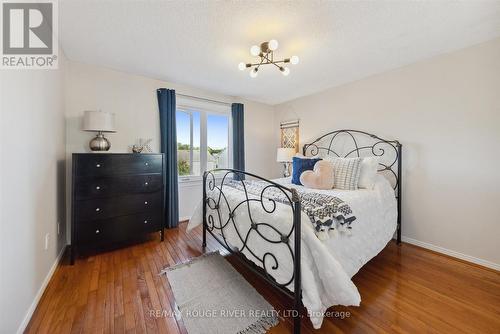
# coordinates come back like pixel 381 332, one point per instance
pixel 203 99
pixel 290 124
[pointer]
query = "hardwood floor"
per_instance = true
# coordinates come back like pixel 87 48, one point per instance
pixel 404 289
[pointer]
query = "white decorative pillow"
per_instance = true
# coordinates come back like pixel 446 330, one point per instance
pixel 346 172
pixel 368 173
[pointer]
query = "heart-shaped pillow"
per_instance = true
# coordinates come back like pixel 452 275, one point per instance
pixel 321 177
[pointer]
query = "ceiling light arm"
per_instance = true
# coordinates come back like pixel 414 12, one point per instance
pixel 257 64
pixel 261 63
pixel 266 56
pixel 280 67
pixel 286 60
pixel 275 63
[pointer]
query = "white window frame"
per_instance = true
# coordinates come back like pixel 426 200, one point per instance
pixel 204 108
pixel 190 114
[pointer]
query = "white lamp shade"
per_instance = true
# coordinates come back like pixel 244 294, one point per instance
pixel 285 154
pixel 99 121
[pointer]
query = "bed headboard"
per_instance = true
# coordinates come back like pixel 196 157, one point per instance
pixel 355 143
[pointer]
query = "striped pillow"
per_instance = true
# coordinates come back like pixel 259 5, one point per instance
pixel 346 172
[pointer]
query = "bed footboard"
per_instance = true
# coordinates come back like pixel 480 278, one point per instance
pixel 220 215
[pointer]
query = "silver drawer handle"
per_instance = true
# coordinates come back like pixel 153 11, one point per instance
pixel 98 188
pixel 145 183
pixel 98 165
pixel 97 209
pixel 145 222
pixel 97 231
pixel 146 164
pixel 146 202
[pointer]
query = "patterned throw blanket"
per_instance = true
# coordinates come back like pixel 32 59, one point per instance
pixel 328 214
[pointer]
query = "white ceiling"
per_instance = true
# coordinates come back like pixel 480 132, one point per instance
pixel 200 43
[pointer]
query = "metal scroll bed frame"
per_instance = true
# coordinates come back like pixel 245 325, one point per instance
pixel 339 143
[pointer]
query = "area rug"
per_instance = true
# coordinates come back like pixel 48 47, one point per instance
pixel 214 298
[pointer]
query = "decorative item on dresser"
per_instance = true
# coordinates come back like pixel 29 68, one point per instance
pixel 142 146
pixel 116 197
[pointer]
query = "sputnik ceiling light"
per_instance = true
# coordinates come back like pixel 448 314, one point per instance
pixel 266 54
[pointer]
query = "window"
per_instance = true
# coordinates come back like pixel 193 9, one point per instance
pixel 188 142
pixel 203 139
pixel 217 141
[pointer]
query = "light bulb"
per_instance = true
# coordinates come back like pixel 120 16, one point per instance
pixel 255 50
pixel 294 60
pixel 253 73
pixel 285 71
pixel 273 44
pixel 242 66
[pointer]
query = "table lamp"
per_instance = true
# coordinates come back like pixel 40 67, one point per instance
pixel 285 155
pixel 99 121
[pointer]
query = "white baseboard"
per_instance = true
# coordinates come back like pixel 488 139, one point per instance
pixel 40 292
pixel 452 253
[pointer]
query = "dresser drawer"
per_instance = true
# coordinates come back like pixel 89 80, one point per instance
pixel 118 228
pixel 100 187
pixel 115 164
pixel 100 208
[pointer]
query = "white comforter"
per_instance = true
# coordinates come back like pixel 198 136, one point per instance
pixel 327 266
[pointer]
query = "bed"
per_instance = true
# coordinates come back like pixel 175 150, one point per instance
pixel 260 221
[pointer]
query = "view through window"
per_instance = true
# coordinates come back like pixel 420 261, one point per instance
pixel 188 142
pixel 202 141
pixel 217 141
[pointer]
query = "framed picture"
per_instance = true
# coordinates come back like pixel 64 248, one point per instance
pixel 290 134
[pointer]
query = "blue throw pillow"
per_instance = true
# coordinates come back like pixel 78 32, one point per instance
pixel 300 165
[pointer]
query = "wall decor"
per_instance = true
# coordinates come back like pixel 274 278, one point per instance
pixel 290 134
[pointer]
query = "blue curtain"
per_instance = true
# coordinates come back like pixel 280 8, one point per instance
pixel 238 118
pixel 168 144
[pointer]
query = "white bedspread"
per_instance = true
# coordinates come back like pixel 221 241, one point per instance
pixel 327 266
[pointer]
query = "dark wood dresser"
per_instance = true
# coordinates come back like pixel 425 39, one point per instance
pixel 116 197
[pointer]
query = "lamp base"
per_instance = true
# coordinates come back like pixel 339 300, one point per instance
pixel 99 143
pixel 286 169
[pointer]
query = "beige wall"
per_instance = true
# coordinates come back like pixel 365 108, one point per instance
pixel 32 200
pixel 446 113
pixel 133 100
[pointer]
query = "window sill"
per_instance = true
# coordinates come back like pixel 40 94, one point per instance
pixel 190 180
pixel 196 180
